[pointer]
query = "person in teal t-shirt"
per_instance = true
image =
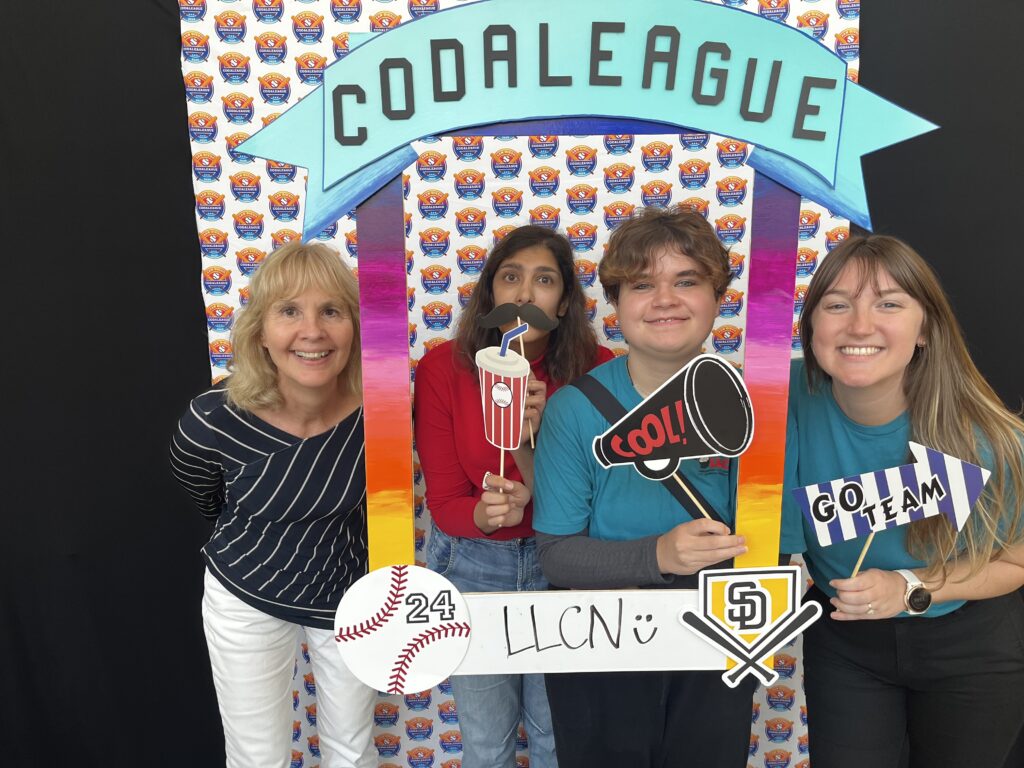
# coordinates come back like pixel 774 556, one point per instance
pixel 922 652
pixel 665 272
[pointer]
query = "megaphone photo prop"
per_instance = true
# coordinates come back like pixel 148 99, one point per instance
pixel 702 411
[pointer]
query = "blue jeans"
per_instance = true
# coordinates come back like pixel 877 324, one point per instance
pixel 491 707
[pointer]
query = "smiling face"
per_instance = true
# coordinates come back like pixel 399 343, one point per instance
pixel 309 339
pixel 530 276
pixel 865 332
pixel 667 313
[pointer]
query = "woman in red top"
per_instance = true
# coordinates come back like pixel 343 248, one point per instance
pixel 482 538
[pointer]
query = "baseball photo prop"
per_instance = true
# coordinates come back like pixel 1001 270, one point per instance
pixel 402 629
pixel 934 484
pixel 702 411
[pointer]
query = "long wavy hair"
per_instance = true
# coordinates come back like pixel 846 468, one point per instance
pixel 951 407
pixel 284 274
pixel 571 346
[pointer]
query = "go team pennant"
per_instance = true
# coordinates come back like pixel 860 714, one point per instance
pixel 689 64
pixel 935 484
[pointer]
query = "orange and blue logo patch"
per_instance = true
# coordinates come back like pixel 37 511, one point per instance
pixel 419 728
pixel 848 44
pixel 469 184
pixel 229 26
pixel 835 237
pixel 219 317
pixel 795 343
pixel 777 758
pixel 387 744
pixel 803 715
pixel 268 11
pixel 697 205
pixel 809 223
pixel 382 21
pixel 730 228
pixel 420 8
pixel 296 761
pixel 453 763
pixel 195 46
pixel 755 712
pixel 694 173
pixel 447 711
pixel 581 198
pixel 694 141
pixel 284 205
pixel 420 757
pixel 340 45
pixel 778 729
pixel 815 23
pixel 853 75
pixel 419 538
pixel 618 143
pixel 506 163
pixel 467 148
pixel 436 279
pixel 432 204
pixel 799 295
pixel 310 68
pixel 450 741
pixel 805 763
pixel 619 177
pixel 280 173
pixel 308 27
pixel 198 87
pixel 522 742
pixel 732 153
pixel 586 272
pixel 542 147
pixel 313 744
pixel 656 156
pixel 806 262
pixel 408 261
pixel 275 89
pixel 848 9
pixel 544 181
pixel 346 11
pixel 656 194
pixel 385 714
pixel 213 243
pixel 499 234
pixel 445 686
pixel 507 202
pixel 231 145
pixel 411 296
pixel 611 328
pixel 755 744
pixel 216 281
pixel 408 223
pixel 545 216
pixel 785 665
pixel 522 761
pixel 802 744
pixel 283 237
pixel 618 212
pixel 271 48
pixel 780 698
pixel 352 243
pixel 296 730
pixel 249 260
pixel 737 261
pixel 470 222
pixel 191 10
pixel 466 293
pixel 311 714
pixel 295 700
pixel 437 316
pixel 776 10
pixel 731 191
pixel 731 303
pixel 244 294
pixel 581 160
pixel 309 684
pixel 431 165
pixel 237 108
pixel 234 67
pixel 220 353
pixel 582 236
pixel 590 308
pixel 470 259
pixel 245 186
pixel 206 166
pixel 727 339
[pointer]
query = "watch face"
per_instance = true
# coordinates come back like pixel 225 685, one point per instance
pixel 919 600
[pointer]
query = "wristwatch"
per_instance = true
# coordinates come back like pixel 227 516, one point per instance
pixel 917 599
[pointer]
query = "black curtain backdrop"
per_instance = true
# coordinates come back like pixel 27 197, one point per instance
pixel 102 660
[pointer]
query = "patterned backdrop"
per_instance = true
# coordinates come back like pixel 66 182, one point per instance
pixel 244 63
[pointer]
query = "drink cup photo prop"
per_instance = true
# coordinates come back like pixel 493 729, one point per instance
pixel 503 375
pixel 702 411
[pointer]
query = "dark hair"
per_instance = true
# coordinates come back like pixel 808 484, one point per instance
pixel 571 346
pixel 632 246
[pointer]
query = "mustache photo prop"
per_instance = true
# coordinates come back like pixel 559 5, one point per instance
pixel 531 314
pixel 702 411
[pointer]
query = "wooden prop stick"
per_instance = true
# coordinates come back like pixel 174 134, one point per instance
pixel 522 351
pixel 686 489
pixel 864 551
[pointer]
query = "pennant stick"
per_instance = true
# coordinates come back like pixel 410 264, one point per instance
pixel 860 560
pixel 522 351
pixel 688 492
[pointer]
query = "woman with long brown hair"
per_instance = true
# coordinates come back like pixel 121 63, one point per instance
pixel 924 648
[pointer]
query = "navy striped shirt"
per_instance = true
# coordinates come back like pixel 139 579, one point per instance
pixel 290 536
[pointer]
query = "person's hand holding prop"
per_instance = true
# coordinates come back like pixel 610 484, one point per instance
pixel 534 317
pixel 848 508
pixel 502 503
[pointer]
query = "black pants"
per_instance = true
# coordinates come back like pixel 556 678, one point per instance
pixel 650 719
pixel 948 690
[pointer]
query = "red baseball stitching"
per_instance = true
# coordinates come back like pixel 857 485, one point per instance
pixel 404 660
pixel 399 577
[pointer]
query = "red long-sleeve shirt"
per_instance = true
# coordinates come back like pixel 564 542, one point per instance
pixel 454 454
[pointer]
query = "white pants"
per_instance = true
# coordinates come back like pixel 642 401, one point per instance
pixel 253 657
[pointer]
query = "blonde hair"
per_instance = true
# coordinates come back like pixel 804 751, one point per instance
pixel 284 274
pixel 951 407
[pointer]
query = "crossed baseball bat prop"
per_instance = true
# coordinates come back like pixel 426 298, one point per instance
pixel 749 659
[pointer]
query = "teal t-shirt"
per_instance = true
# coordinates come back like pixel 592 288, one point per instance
pixel 823 444
pixel 573 492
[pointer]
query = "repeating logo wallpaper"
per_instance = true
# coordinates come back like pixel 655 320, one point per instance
pixel 244 63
